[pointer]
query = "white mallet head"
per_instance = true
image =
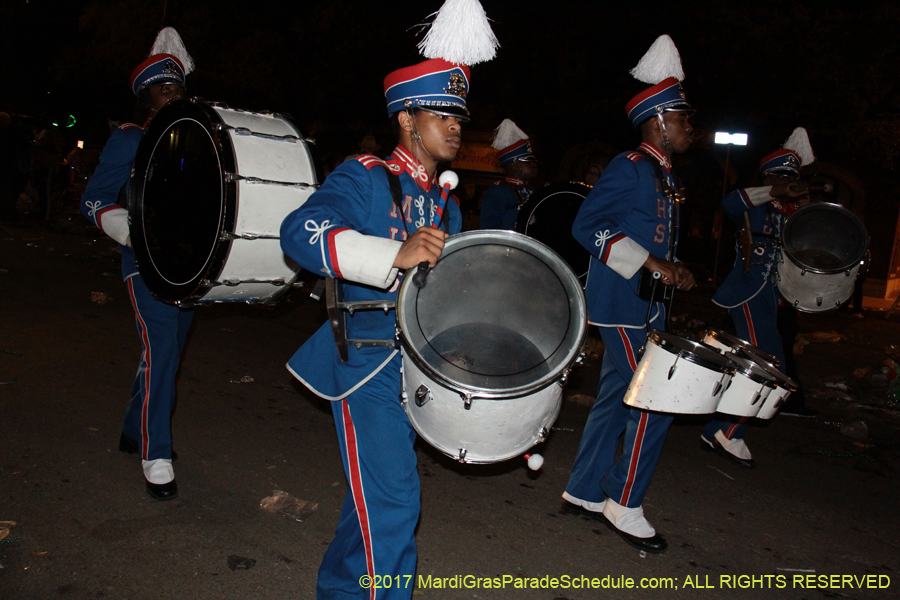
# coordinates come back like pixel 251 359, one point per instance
pixel 535 461
pixel 449 179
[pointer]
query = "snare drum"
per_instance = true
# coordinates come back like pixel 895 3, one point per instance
pixel 748 389
pixel 823 246
pixel 676 375
pixel 209 190
pixel 487 344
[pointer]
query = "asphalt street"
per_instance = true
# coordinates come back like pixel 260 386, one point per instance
pixel 815 519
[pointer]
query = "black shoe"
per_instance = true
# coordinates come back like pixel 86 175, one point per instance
pixel 574 509
pixel 162 491
pixel 130 446
pixel 716 447
pixel 799 411
pixel 653 545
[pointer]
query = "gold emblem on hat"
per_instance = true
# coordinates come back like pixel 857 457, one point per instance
pixel 171 68
pixel 456 85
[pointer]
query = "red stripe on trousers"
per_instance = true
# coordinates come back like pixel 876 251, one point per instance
pixel 145 403
pixel 356 489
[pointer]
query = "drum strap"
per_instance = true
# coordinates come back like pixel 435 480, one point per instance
pixel 397 195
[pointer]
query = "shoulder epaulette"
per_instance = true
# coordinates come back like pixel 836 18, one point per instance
pixel 370 160
pixel 129 126
pixel 635 156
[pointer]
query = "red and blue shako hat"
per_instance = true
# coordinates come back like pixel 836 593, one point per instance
pixel 459 36
pixel 660 67
pixel 795 153
pixel 511 143
pixel 169 62
pixel 435 85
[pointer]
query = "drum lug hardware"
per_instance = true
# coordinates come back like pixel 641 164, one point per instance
pixel 462 455
pixel 802 272
pixel 423 395
pixel 796 303
pixel 542 435
pixel 565 378
pixel 819 301
pixel 467 399
pixel 674 365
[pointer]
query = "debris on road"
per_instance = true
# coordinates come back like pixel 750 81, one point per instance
pixel 4 528
pixel 100 297
pixel 284 504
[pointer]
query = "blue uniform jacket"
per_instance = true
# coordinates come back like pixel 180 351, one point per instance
pixel 623 220
pixel 350 229
pixel 500 204
pixel 99 203
pixel 766 222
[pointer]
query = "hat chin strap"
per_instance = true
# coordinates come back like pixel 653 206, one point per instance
pixel 667 145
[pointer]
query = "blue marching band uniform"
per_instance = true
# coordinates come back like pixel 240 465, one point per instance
pixel 749 291
pixel 162 327
pixel 501 203
pixel 351 229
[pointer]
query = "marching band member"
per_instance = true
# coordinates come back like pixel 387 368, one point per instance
pixel 354 229
pixel 749 292
pixel 501 201
pixel 626 223
pixel 147 429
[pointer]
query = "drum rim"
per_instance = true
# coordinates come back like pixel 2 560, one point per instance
pixel 719 365
pixel 191 108
pixel 735 342
pixel 828 206
pixel 781 379
pixel 751 370
pixel 575 295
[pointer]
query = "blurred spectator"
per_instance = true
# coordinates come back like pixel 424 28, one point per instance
pixel 13 165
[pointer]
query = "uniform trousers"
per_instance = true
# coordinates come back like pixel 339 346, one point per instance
pixel 755 321
pixel 376 531
pixel 163 329
pixel 596 472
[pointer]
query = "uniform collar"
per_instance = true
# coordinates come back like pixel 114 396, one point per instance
pixel 514 181
pixel 656 153
pixel 405 159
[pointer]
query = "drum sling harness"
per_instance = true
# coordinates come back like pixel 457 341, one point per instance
pixel 337 308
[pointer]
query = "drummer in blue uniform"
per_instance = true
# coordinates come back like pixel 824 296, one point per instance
pixel 147 429
pixel 356 229
pixel 501 201
pixel 626 223
pixel 749 292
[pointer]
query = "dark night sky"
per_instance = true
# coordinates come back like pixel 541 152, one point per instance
pixel 561 73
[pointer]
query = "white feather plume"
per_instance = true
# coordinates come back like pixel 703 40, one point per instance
pixel 169 42
pixel 460 34
pixel 660 62
pixel 799 143
pixel 507 134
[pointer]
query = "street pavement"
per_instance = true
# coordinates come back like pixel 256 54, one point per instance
pixel 79 524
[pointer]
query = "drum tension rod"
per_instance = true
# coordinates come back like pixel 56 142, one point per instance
pixel 232 177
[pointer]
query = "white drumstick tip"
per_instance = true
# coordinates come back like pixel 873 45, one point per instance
pixel 449 179
pixel 535 461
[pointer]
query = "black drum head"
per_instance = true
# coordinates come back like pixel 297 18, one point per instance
pixel 180 201
pixel 548 215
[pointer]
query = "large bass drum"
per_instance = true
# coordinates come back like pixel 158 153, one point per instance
pixel 823 246
pixel 487 344
pixel 209 190
pixel 548 215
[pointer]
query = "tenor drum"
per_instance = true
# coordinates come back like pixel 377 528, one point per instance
pixel 784 386
pixel 748 390
pixel 209 190
pixel 548 215
pixel 823 246
pixel 677 375
pixel 725 342
pixel 487 344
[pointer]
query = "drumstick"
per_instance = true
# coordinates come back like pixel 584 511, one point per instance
pixel 448 181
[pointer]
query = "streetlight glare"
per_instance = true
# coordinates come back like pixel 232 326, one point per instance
pixel 736 139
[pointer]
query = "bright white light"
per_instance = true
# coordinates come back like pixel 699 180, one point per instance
pixel 80 144
pixel 737 139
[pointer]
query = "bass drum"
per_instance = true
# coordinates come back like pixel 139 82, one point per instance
pixel 823 246
pixel 209 190
pixel 487 344
pixel 548 215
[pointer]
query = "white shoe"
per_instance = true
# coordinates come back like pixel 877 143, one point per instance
pixel 596 507
pixel 736 447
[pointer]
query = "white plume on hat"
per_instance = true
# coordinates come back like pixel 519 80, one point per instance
pixel 799 143
pixel 660 62
pixel 169 42
pixel 507 134
pixel 460 34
